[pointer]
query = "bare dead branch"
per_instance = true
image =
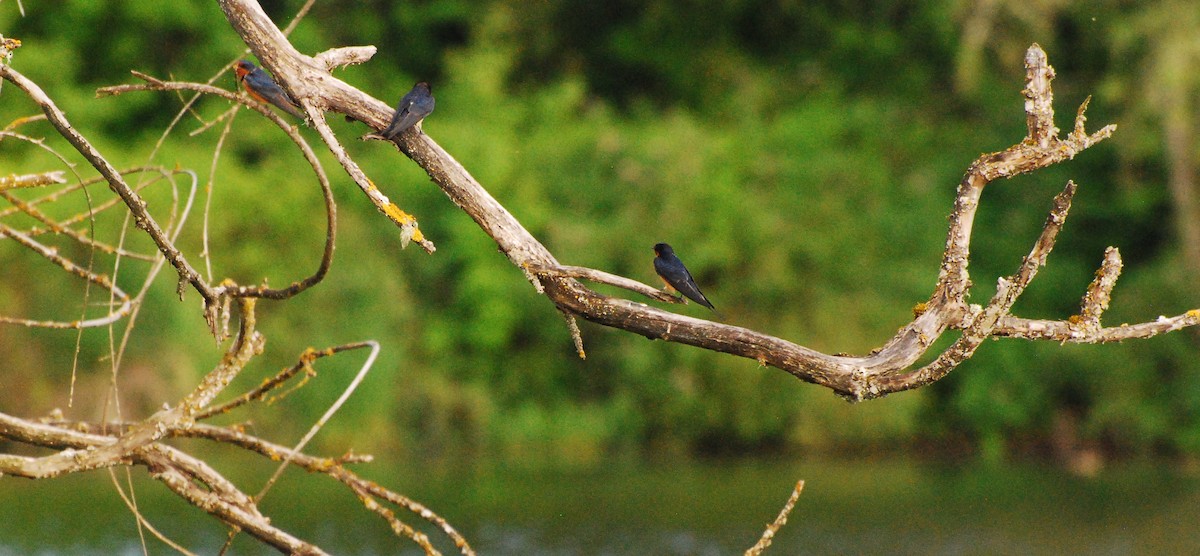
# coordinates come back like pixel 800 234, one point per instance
pixel 55 227
pixel 984 322
pixel 81 447
pixel 1065 331
pixel 245 517
pixel 374 489
pixel 335 58
pixel 51 254
pixel 1099 292
pixel 576 335
pixel 773 528
pixel 107 452
pixel 406 222
pixel 32 180
pixel 876 374
pixel 601 277
pixel 137 206
pixel 179 471
pixel 337 405
pixel 303 364
pixel 236 290
pixel 225 501
pixel 94 445
pixel 309 82
pixel 82 216
pixel 399 527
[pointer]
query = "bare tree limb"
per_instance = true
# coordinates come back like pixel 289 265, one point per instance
pixel 882 371
pixel 601 277
pixel 347 56
pixel 91 445
pixel 309 81
pixel 984 322
pixel 83 446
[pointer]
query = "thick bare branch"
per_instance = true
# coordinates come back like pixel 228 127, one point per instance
pixel 853 377
pixel 310 82
pixel 246 518
pixel 984 322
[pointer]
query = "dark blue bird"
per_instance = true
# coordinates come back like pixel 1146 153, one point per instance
pixel 413 108
pixel 264 89
pixel 676 276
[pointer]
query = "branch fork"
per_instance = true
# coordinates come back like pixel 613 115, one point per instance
pixel 884 370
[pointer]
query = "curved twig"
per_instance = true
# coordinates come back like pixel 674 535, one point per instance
pixel 53 256
pixel 154 84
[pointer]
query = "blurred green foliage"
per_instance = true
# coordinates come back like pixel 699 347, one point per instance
pixel 801 157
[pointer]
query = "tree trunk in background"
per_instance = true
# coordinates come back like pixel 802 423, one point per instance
pixel 1181 160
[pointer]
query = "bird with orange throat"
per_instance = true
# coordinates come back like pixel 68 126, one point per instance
pixel 264 89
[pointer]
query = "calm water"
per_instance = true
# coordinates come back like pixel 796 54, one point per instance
pixel 884 507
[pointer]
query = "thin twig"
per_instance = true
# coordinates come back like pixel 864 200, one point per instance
pixel 32 180
pixel 773 528
pixel 316 427
pixel 53 256
pixel 1099 292
pixel 601 277
pixel 143 219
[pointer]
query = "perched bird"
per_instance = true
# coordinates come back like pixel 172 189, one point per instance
pixel 413 107
pixel 264 89
pixel 676 276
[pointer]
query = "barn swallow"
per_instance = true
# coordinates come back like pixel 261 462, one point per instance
pixel 413 107
pixel 676 276
pixel 264 89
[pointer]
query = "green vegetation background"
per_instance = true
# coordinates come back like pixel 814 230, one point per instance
pixel 801 157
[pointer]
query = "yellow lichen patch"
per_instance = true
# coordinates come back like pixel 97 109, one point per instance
pixel 417 236
pixel 324 465
pixel 919 309
pixel 1075 319
pixel 310 355
pixel 1194 314
pixel 7 46
pixel 398 216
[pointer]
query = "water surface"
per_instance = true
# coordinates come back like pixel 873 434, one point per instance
pixel 680 507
